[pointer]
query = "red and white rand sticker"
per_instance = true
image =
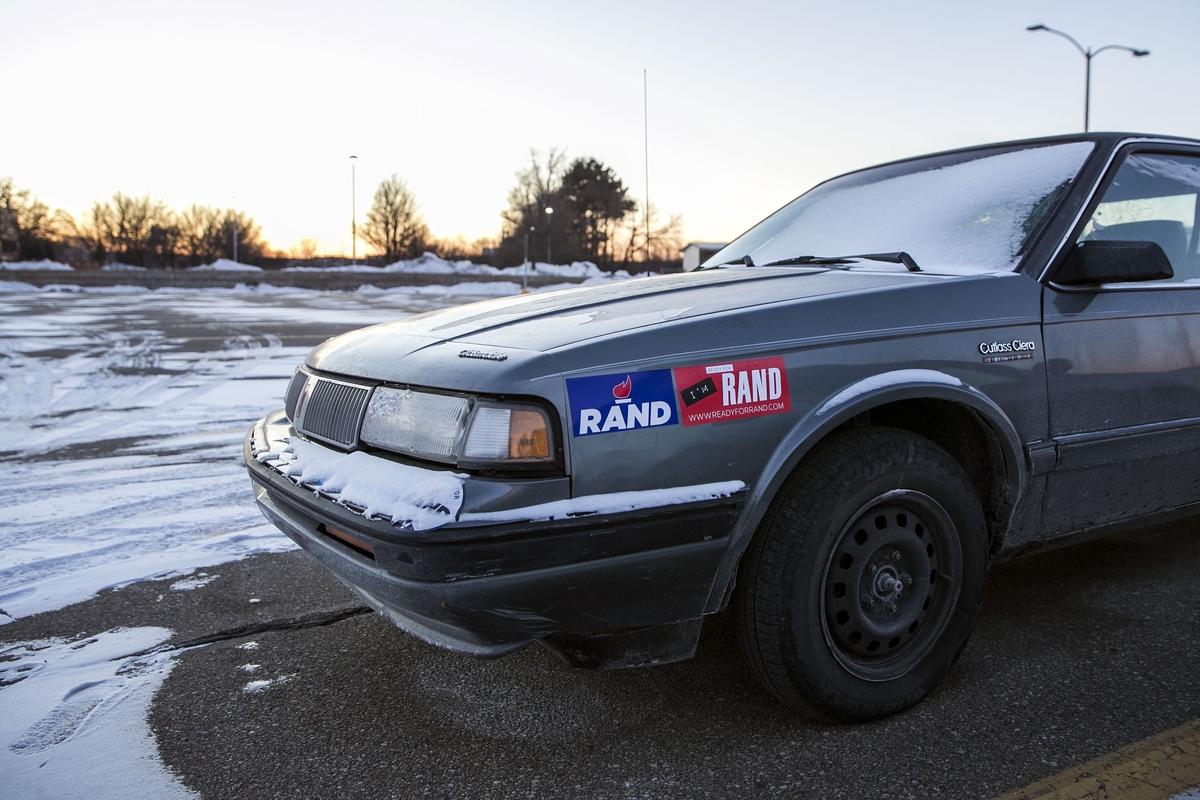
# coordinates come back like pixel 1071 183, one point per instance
pixel 733 390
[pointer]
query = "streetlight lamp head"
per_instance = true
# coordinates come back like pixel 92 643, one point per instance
pixel 549 210
pixel 1036 28
pixel 1140 53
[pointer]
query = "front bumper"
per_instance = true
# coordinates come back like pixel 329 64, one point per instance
pixel 486 590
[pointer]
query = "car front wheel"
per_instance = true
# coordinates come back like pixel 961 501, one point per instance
pixel 862 585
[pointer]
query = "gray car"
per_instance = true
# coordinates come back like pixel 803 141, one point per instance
pixel 835 424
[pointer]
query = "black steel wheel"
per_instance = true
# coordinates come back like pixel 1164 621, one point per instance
pixel 862 585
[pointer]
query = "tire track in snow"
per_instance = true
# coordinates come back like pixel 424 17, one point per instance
pixel 122 419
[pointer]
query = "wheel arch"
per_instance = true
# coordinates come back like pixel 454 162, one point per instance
pixel 958 417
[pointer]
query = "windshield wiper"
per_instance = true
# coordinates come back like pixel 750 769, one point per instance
pixel 841 261
pixel 745 261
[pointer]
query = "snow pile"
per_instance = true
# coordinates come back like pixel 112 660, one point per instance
pixel 74 721
pixel 432 264
pixel 225 265
pixel 45 264
pixel 473 289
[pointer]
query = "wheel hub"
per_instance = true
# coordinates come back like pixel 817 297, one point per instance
pixel 881 580
pixel 888 583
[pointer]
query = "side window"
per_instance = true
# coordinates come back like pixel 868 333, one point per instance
pixel 1153 198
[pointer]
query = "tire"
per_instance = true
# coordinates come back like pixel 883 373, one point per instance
pixel 862 584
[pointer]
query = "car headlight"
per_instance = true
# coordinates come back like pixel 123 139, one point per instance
pixel 458 430
pixel 507 433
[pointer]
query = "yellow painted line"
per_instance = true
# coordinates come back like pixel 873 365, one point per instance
pixel 1158 768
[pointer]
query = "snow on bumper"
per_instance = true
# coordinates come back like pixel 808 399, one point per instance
pixel 419 499
pixel 413 498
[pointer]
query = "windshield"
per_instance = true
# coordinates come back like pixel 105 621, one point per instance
pixel 961 212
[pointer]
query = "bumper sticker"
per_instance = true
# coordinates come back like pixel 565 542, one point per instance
pixel 733 390
pixel 621 402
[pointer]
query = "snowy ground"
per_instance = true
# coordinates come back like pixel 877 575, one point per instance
pixel 121 425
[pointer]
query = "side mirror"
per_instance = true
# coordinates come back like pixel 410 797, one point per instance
pixel 1098 261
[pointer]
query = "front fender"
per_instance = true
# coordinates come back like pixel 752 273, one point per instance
pixel 843 405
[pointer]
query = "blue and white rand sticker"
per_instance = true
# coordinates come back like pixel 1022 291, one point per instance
pixel 622 402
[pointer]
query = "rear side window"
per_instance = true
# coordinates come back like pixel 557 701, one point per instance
pixel 1153 198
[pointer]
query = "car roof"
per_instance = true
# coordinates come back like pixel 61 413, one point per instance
pixel 1105 139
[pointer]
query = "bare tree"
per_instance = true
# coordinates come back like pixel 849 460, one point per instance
pixel 95 228
pixel 132 223
pixel 250 244
pixel 303 250
pixel 37 230
pixel 200 233
pixel 537 186
pixel 394 225
pixel 665 241
pixel 206 234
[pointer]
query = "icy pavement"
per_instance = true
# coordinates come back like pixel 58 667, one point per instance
pixel 121 424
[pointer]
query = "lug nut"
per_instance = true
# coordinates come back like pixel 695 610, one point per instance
pixel 872 568
pixel 890 607
pixel 895 555
pixel 908 580
pixel 868 600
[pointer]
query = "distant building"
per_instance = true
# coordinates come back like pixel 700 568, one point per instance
pixel 10 244
pixel 696 253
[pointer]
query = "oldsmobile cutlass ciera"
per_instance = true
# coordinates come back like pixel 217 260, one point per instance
pixel 835 425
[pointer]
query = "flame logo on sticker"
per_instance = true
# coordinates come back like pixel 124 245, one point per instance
pixel 621 390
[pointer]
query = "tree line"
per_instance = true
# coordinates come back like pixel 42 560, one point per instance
pixel 140 231
pixel 581 210
pixel 559 211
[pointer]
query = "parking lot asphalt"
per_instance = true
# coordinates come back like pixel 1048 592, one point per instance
pixel 285 687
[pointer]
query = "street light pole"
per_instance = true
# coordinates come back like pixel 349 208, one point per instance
pixel 234 217
pixel 549 231
pixel 1088 53
pixel 646 152
pixel 525 264
pixel 353 218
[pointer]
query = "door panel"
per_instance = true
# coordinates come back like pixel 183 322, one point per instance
pixel 1123 360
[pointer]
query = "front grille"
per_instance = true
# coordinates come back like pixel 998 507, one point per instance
pixel 333 411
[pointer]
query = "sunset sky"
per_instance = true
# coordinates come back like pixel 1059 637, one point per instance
pixel 749 103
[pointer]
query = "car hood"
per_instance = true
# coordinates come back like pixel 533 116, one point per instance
pixel 550 321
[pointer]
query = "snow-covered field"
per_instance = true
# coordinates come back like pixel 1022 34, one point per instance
pixel 122 415
pixel 121 425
